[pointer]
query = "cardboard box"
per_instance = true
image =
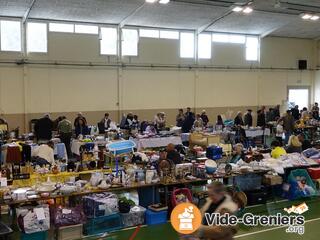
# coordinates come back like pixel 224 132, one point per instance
pixel 272 180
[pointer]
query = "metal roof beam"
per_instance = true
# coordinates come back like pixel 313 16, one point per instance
pixel 27 13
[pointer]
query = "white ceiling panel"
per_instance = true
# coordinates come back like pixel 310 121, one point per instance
pixel 102 11
pixel 255 23
pixel 176 15
pixel 14 8
pixel 299 29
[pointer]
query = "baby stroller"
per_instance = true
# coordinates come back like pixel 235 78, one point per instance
pixel 180 195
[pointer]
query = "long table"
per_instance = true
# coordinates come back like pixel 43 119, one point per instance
pixel 251 133
pixel 82 193
pixel 154 142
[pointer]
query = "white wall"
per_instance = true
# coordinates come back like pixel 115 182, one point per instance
pixel 35 89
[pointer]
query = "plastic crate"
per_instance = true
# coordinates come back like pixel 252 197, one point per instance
pixel 103 224
pixel 153 217
pixel 35 236
pixel 72 232
pixel 100 205
pixel 133 218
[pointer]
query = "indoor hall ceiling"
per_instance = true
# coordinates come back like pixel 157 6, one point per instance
pixel 270 17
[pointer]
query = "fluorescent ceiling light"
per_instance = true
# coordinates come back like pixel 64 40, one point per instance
pixel 164 1
pixel 237 9
pixel 315 18
pixel 247 10
pixel 306 16
pixel 151 1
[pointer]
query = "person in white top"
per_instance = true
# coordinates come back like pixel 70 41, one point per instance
pixel 45 151
pixel 279 132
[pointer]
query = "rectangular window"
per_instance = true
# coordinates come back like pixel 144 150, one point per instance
pixel 61 27
pixel 252 49
pixel 204 46
pixel 87 29
pixel 241 39
pixel 129 42
pixel 10 36
pixel 169 34
pixel 187 45
pixel 37 37
pixel 108 42
pixel 149 33
pixel 228 38
pixel 218 37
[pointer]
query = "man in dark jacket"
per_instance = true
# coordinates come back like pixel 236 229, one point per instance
pixel 276 112
pixel 288 125
pixel 43 128
pixel 261 118
pixel 238 121
pixel 204 118
pixel 104 124
pixel 188 121
pixel 295 112
pixel 248 118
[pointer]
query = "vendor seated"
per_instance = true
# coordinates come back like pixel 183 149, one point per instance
pixel 305 144
pixel 150 129
pixel 172 154
pixel 238 153
pixel 44 154
pixel 277 150
pixel 198 123
pixel 294 145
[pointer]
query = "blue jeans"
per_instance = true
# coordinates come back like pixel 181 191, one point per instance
pixel 287 136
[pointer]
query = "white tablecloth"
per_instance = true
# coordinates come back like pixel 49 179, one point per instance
pixel 156 142
pixel 59 149
pixel 252 133
pixel 257 132
pixel 75 146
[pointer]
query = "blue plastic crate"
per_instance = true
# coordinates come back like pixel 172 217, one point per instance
pixel 103 224
pixel 214 152
pixel 35 236
pixel 153 217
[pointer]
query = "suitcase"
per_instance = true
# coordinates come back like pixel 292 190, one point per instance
pixel 314 173
pixel 256 197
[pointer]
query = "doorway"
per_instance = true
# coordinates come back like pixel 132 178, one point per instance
pixel 299 96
